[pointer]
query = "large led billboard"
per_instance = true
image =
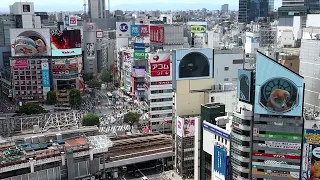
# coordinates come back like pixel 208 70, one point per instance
pixel 30 42
pixel 160 64
pixel 279 91
pixel 193 64
pixel 311 155
pixel 66 42
pixel 220 163
pixel 244 85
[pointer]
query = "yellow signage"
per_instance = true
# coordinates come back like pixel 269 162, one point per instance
pixel 199 29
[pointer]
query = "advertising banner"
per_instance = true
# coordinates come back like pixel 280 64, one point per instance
pixel 216 130
pixel 90 26
pixel 276 135
pixel 163 82
pixel 99 34
pixel 281 145
pixel 123 29
pixel 20 63
pixel 180 124
pixel 193 63
pixel 139 54
pixel 64 69
pixel 30 42
pixel 313 166
pixel 280 156
pixel 156 34
pixel 66 43
pixel 160 65
pixel 256 165
pixel 139 73
pixel 189 127
pixel 198 29
pixel 73 21
pixel 66 20
pixel 90 50
pixel 279 91
pixel 281 174
pixel 244 85
pixel 139 46
pixel 45 78
pixel 312 136
pixel 135 30
pixel 144 30
pixel 220 161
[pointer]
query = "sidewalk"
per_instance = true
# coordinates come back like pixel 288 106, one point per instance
pixel 168 175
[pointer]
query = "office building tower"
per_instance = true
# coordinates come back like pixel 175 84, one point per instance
pixel 6 23
pixel 286 3
pixel 251 10
pixel 266 140
pixel 224 8
pixel 96 8
pixel 312 5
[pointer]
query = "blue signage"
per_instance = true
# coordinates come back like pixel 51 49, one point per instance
pixel 45 75
pixel 220 161
pixel 139 46
pixel 123 27
pixel 216 131
pixel 135 30
pixel 66 20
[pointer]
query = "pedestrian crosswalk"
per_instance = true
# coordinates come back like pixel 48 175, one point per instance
pixel 114 129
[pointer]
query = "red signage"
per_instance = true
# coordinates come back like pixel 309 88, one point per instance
pixel 65 69
pixel 235 124
pixel 156 34
pixel 144 30
pixel 163 82
pixel 160 65
pixel 280 156
pixel 73 20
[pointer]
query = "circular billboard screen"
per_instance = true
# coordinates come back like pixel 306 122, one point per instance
pixel 278 95
pixel 194 65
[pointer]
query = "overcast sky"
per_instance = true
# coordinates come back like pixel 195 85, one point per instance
pixel 77 5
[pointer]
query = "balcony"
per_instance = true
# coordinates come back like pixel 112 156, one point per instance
pixel 243 114
pixel 241 137
pixel 240 168
pixel 240 158
pixel 241 148
pixel 241 126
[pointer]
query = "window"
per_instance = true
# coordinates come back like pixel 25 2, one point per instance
pixel 212 99
pixel 234 79
pixel 226 68
pixel 161 100
pixel 226 79
pixel 161 108
pixel 238 61
pixel 161 91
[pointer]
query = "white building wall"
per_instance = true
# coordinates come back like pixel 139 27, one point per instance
pixel 230 74
pixel 27 21
pixel 313 20
pixel 297 27
pixel 214 39
pixel 228 98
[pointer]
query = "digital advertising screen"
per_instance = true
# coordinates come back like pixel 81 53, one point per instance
pixel 193 63
pixel 244 85
pixel 279 91
pixel 160 64
pixel 30 42
pixel 66 42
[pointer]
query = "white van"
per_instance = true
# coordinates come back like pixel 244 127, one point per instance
pixel 144 178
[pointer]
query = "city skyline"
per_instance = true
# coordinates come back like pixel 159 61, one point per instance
pixel 77 5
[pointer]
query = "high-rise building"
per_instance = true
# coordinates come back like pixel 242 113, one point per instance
pixel 266 139
pixel 251 10
pixel 312 4
pixel 286 3
pixel 225 8
pixel 96 9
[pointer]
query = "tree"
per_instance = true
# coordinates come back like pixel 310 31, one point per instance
pixel 51 97
pixel 106 77
pixel 131 118
pixel 75 97
pixel 90 120
pixel 31 108
pixel 94 84
pixel 87 77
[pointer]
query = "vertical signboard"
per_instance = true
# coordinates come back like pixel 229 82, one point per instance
pixel 90 50
pixel 99 34
pixel 139 51
pixel 135 30
pixel 66 20
pixel 180 124
pixel 156 34
pixel 73 21
pixel 45 78
pixel 144 30
pixel 160 64
pixel 123 29
pixel 220 162
pixel 189 127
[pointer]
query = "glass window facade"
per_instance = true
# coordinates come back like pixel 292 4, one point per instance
pixel 251 10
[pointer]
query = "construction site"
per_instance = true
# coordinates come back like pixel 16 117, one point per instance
pixel 44 149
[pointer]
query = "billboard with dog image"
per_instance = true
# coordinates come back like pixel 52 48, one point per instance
pixel 279 91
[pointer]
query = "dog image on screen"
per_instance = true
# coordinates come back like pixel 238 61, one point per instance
pixel 277 100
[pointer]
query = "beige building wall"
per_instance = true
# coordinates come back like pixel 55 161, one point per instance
pixel 189 103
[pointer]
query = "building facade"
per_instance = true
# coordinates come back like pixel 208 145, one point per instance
pixel 251 10
pixel 96 8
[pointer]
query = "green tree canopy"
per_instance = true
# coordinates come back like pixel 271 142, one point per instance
pixel 90 120
pixel 51 97
pixel 31 108
pixel 94 84
pixel 106 77
pixel 75 98
pixel 131 118
pixel 87 77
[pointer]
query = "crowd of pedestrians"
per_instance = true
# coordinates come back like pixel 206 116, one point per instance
pixel 7 107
